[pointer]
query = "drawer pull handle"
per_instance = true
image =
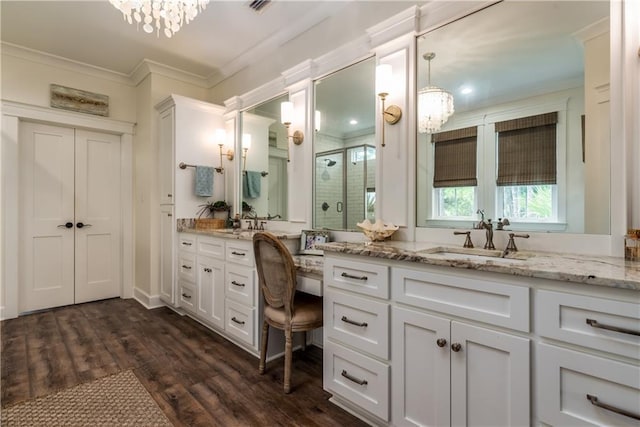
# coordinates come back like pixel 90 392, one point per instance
pixel 354 379
pixel 237 253
pixel 456 347
pixel 233 282
pixel 207 270
pixel 239 322
pixel 441 342
pixel 594 401
pixel 353 322
pixel 349 276
pixel 594 323
pixel 186 296
pixel 186 243
pixel 186 267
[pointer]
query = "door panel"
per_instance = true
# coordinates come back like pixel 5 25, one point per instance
pixel 68 177
pixel 98 209
pixel 46 261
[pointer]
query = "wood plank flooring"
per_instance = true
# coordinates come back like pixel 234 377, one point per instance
pixel 197 377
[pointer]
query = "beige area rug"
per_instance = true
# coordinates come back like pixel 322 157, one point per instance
pixel 116 400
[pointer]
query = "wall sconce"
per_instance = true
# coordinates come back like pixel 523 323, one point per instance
pixel 220 138
pixel 286 117
pixel 392 114
pixel 246 145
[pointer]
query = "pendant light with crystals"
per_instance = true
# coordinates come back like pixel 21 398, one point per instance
pixel 435 105
pixel 170 13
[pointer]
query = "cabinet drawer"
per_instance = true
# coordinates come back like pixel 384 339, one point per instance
pixel 310 285
pixel 566 377
pixel 240 284
pixel 187 266
pixel 362 277
pixel 359 322
pixel 187 296
pixel 589 321
pixel 357 378
pixel 210 246
pixel 240 321
pixel 239 252
pixel 186 242
pixel 482 300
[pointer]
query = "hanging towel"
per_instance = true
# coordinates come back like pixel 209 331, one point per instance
pixel 251 185
pixel 204 181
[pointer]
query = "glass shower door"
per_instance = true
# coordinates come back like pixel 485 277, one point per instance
pixel 329 194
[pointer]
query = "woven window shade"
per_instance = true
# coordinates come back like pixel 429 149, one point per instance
pixel 527 150
pixel 455 158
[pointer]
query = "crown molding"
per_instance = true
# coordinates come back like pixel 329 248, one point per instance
pixel 347 54
pixel 233 104
pixel 32 55
pixel 147 66
pixel 302 71
pixel 438 13
pixel 262 93
pixel 398 25
pixel 594 30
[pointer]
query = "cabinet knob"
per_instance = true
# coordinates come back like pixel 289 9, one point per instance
pixel 207 270
pixel 169 195
pixel 441 342
pixel 456 347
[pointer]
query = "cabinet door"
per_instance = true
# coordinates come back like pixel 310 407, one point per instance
pixel 167 250
pixel 489 377
pixel 166 153
pixel 210 284
pixel 421 366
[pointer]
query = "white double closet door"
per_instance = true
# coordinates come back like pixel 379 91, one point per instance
pixel 70 216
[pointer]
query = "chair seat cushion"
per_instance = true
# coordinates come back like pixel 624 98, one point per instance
pixel 307 312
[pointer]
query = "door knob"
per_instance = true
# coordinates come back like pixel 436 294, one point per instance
pixel 66 225
pixel 81 225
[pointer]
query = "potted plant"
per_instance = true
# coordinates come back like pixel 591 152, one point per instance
pixel 215 215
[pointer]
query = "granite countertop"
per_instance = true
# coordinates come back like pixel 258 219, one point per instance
pixel 228 233
pixel 312 264
pixel 593 270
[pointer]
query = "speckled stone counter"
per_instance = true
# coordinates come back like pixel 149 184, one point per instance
pixel 592 270
pixel 187 226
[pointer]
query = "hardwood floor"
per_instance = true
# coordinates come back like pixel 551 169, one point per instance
pixel 197 377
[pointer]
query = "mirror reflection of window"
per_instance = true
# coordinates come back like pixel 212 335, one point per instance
pixel 344 147
pixel 507 63
pixel 264 185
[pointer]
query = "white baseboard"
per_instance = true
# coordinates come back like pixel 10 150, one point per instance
pixel 148 301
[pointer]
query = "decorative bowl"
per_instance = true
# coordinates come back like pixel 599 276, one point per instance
pixel 377 232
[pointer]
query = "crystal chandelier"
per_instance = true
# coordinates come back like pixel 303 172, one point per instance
pixel 170 13
pixel 435 105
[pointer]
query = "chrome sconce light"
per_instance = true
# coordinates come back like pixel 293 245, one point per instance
pixel 391 114
pixel 220 139
pixel 286 117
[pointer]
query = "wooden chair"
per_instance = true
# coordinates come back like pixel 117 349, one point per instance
pixel 283 307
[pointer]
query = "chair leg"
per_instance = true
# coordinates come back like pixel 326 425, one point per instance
pixel 287 360
pixel 263 347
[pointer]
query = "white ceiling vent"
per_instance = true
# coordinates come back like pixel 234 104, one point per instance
pixel 259 5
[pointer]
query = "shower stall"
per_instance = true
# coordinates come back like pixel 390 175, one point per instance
pixel 344 187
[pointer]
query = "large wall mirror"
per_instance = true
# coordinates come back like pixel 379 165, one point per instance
pixel 529 137
pixel 344 147
pixel 264 161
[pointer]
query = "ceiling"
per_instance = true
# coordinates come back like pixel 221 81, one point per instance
pixel 221 40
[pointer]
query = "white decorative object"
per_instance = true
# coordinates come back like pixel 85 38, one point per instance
pixel 377 232
pixel 172 13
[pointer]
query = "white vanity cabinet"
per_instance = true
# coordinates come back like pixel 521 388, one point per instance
pixel 241 312
pixel 167 255
pixel 588 371
pixel 210 268
pixel 470 372
pixel 356 334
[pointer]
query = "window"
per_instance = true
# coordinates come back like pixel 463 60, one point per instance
pixel 527 168
pixel 454 178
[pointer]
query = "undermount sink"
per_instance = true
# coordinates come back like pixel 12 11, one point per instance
pixel 475 254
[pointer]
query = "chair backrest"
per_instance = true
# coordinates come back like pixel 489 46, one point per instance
pixel 276 271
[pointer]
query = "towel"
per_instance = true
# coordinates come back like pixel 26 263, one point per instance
pixel 204 181
pixel 251 185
